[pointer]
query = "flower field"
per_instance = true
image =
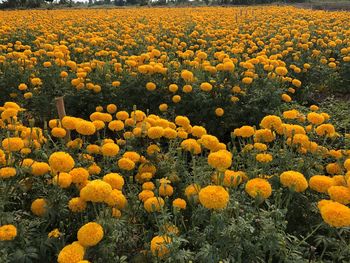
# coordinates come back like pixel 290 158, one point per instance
pixel 188 135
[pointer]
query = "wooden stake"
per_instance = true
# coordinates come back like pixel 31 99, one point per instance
pixel 61 112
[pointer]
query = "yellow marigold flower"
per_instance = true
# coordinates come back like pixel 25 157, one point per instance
pixel 7 232
pixel 205 86
pixel 154 204
pixel 90 234
pixel 173 88
pixel 110 149
pixel 165 190
pixel 271 122
pixel 76 205
pixel 296 83
pixel 39 168
pixel 54 233
pixel 340 194
pixel 111 108
pixel 294 180
pixel 36 81
pixel 159 246
pixel 339 180
pixel 150 86
pixel 347 164
pixel 115 180
pixel 333 168
pixel 163 107
pixel 85 127
pixel 244 131
pixel 116 125
pixel 145 194
pixel 28 95
pixel 39 207
pixel 69 122
pixel 22 86
pixel 247 80
pixel 187 88
pixel 63 180
pixel 334 214
pixel 214 197
pixel 122 115
pixel 191 145
pixel 321 183
pixel 179 203
pixel 198 131
pixel 116 213
pixel 13 144
pixel 263 157
pixel 148 186
pixel 315 118
pixel 192 190
pixel 58 132
pixel 325 130
pixel 7 172
pixel 219 112
pixel 93 149
pixel 285 97
pixel 176 98
pixel 231 178
pixel 133 156
pixel 79 175
pixel 282 71
pixel 71 253
pixel 61 162
pixel 155 132
pixel 314 108
pixel 264 135
pixel 187 75
pixel 96 191
pixel 126 164
pixel 258 187
pixel 220 160
pixel 153 149
pixel 99 125
pixel 260 146
pixel 209 141
pixel 116 199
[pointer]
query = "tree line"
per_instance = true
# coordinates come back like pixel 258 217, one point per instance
pixel 9 4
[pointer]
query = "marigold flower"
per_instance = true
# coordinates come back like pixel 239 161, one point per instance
pixel 7 232
pixel 220 160
pixel 258 187
pixel 340 194
pixel 96 191
pixel 63 180
pixel 294 180
pixel 126 164
pixel 179 203
pixel 153 204
pixel 115 180
pixel 13 144
pixel 61 162
pixel 90 234
pixel 110 149
pixel 7 172
pixel 76 205
pixel 71 253
pixel 39 207
pixel 191 145
pixel 214 197
pixel 334 214
pixel 321 183
pixel 159 246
